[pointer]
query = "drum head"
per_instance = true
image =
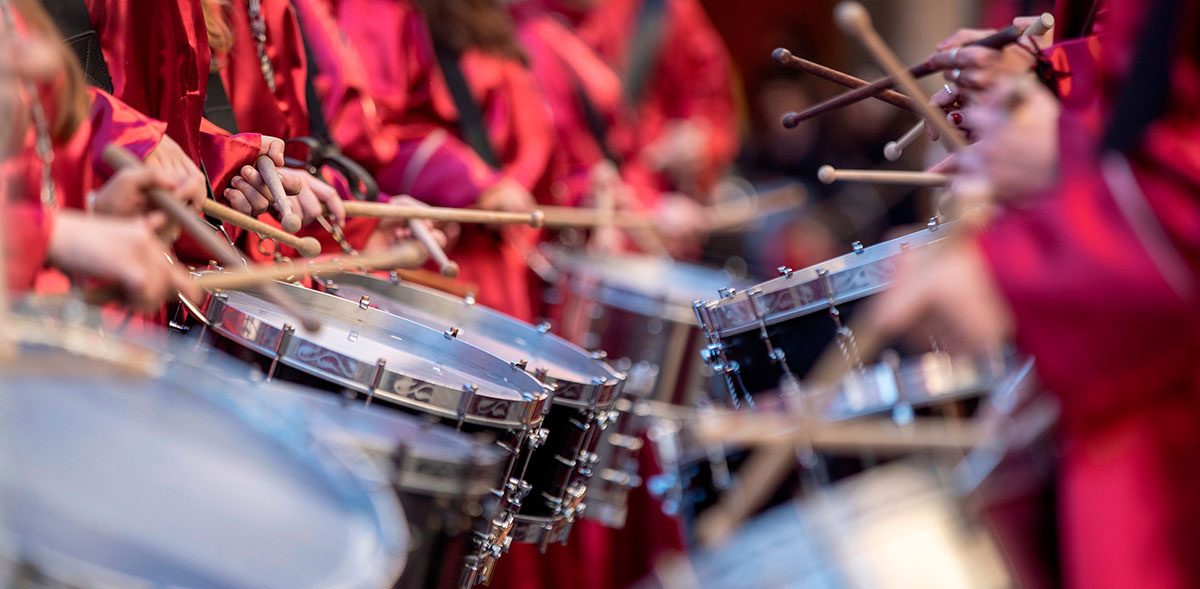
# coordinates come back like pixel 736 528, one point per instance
pixel 112 478
pixel 648 285
pixel 493 332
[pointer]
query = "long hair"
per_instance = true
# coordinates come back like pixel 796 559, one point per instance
pixel 220 34
pixel 481 25
pixel 71 102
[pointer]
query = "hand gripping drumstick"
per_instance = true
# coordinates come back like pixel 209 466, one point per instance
pixel 854 20
pixel 994 41
pixel 448 267
pixel 308 247
pixel 785 58
pixel 288 219
pixel 894 149
pixel 830 174
pixel 118 157
pixel 381 210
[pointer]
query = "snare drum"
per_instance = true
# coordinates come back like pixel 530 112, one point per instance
pixel 758 335
pixel 444 479
pixel 119 469
pixel 585 389
pixel 362 352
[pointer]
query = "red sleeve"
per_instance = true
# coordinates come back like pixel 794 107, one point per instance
pixel 114 122
pixel 26 232
pixel 225 154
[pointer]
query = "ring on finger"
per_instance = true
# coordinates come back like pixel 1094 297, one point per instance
pixel 954 56
pixel 954 74
pixel 948 89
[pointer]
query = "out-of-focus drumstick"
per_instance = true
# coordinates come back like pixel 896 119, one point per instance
pixel 381 210
pixel 118 157
pixel 446 266
pixel 1041 26
pixel 437 281
pixel 894 149
pixel 403 255
pixel 788 59
pixel 830 174
pixel 854 20
pixel 588 217
pixel 307 247
pixel 995 41
pixel 288 219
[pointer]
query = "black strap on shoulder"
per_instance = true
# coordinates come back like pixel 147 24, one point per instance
pixel 594 120
pixel 72 19
pixel 1145 93
pixel 470 118
pixel 645 48
pixel 318 127
pixel 216 104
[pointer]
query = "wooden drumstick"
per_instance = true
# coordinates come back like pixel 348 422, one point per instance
pixel 446 266
pixel 994 41
pixel 288 219
pixel 403 255
pixel 381 210
pixel 854 20
pixel 307 247
pixel 894 149
pixel 586 217
pixel 1041 26
pixel 786 58
pixel 118 157
pixel 830 174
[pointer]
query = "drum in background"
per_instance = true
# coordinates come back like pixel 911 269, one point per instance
pixel 781 327
pixel 585 390
pixel 893 526
pixel 118 469
pixel 364 353
pixel 638 309
pixel 443 478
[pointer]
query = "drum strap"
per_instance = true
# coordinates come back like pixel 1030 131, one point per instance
pixel 73 21
pixel 645 48
pixel 470 117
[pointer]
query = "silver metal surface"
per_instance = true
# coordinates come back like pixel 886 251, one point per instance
pixel 858 274
pixel 382 356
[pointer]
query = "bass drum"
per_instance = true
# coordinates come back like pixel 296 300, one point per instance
pixel 121 469
pixel 585 390
pixel 638 309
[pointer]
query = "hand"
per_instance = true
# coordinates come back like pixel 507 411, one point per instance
pixel 315 197
pixel 124 195
pixel 190 184
pixel 389 232
pixel 125 251
pixel 1016 152
pixel 682 224
pixel 948 292
pixel 507 195
pixel 248 193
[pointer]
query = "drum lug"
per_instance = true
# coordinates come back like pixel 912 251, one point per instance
pixel 599 355
pixel 784 271
pixel 521 364
pixel 285 337
pixel 587 463
pixel 469 299
pixel 543 327
pixel 376 377
pixel 857 247
pixel 726 292
pixel 933 223
pixel 451 333
pixel 469 390
pixel 537 437
pixel 364 302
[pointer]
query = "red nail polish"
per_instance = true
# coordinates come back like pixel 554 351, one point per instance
pixel 956 117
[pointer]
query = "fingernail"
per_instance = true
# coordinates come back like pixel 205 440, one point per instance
pixel 957 117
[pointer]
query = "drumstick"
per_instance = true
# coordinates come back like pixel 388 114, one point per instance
pixel 448 267
pixel 587 217
pixel 288 219
pixel 307 247
pixel 1041 26
pixel 894 149
pixel 786 58
pixel 829 175
pixel 994 41
pixel 118 157
pixel 381 210
pixel 437 281
pixel 854 20
pixel 403 255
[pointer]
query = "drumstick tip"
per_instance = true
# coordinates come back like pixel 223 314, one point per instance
pixel 309 247
pixel 827 174
pixel 790 120
pixel 892 151
pixel 290 223
pixel 450 270
pixel 852 16
pixel 781 55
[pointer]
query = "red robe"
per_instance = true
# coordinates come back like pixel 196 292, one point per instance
pixel 690 78
pixel 433 164
pixel 1104 282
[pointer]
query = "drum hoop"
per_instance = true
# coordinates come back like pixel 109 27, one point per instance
pixel 849 277
pixel 445 402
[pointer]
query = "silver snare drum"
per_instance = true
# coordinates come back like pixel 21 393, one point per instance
pixel 585 390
